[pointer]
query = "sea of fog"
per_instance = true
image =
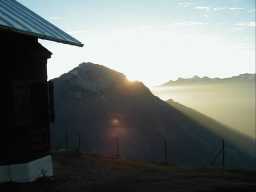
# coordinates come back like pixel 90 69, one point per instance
pixel 232 104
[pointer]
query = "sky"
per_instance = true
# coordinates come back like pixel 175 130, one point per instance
pixel 153 41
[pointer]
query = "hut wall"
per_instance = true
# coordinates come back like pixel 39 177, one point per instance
pixel 25 136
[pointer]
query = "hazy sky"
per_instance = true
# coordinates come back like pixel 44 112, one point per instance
pixel 154 40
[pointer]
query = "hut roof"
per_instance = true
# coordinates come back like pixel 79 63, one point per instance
pixel 18 18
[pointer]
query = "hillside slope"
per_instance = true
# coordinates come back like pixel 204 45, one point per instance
pixel 229 135
pixel 91 98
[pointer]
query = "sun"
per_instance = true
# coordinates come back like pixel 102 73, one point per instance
pixel 131 78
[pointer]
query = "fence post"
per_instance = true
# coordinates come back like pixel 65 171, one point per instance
pixel 66 139
pixel 223 153
pixel 165 150
pixel 117 148
pixel 79 143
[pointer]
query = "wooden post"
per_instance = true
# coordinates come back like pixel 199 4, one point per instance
pixel 117 148
pixel 165 151
pixel 79 143
pixel 66 139
pixel 223 153
pixel 254 124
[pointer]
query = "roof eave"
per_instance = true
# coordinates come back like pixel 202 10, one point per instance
pixel 40 36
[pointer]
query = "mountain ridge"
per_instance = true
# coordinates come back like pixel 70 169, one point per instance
pixel 197 80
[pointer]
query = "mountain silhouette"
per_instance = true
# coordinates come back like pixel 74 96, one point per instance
pixel 95 106
pixel 207 80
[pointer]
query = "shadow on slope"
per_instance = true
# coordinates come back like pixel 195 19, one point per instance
pixel 232 137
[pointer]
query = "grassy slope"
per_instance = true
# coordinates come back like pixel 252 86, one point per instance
pixel 78 173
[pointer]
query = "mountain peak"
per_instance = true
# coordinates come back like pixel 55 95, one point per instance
pixel 98 78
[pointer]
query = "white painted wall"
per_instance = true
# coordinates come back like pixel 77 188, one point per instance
pixel 27 172
pixel 4 174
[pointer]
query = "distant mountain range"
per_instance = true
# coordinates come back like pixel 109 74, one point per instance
pixel 203 80
pixel 99 111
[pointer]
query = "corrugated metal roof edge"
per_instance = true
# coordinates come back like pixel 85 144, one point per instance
pixel 79 44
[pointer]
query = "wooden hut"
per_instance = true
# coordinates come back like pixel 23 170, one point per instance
pixel 24 134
